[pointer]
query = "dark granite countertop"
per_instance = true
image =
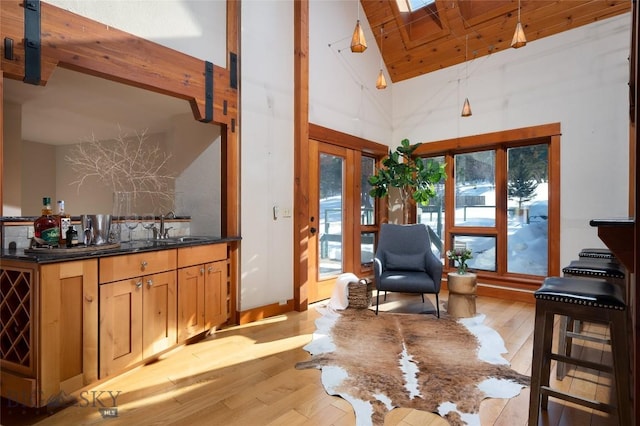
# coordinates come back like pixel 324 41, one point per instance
pixel 124 248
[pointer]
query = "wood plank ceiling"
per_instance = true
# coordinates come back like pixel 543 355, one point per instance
pixel 433 37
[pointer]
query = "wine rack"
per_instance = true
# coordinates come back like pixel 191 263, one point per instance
pixel 17 317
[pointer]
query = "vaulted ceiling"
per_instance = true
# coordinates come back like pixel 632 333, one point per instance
pixel 440 35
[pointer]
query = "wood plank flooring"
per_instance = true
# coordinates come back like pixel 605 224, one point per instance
pixel 245 375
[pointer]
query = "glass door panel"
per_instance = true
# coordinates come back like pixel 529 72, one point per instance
pixel 367 203
pixel 331 202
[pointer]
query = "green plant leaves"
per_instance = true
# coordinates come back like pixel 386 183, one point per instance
pixel 411 175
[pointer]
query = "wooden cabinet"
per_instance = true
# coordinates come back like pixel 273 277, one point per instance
pixel 68 324
pixel 52 345
pixel 202 289
pixel 137 313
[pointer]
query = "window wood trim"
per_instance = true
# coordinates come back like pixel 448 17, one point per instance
pixel 549 134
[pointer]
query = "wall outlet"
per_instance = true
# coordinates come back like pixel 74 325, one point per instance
pixel 286 212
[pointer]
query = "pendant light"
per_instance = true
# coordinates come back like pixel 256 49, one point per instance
pixel 519 38
pixel 381 83
pixel 358 42
pixel 466 107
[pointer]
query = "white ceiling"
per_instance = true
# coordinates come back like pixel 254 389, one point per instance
pixel 75 107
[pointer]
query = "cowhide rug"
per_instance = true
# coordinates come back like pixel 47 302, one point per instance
pixel 378 363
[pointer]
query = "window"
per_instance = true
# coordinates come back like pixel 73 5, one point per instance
pixel 414 5
pixel 475 189
pixel 501 200
pixel 528 212
pixel 433 215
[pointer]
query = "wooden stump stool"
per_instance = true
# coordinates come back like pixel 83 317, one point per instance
pixel 462 294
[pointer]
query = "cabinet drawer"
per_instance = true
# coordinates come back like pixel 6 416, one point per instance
pixel 196 255
pixel 133 265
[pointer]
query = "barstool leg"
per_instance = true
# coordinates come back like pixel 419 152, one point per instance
pixel 564 346
pixel 541 362
pixel 621 365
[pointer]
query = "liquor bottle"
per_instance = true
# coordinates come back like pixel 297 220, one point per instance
pixel 46 226
pixel 64 221
pixel 72 237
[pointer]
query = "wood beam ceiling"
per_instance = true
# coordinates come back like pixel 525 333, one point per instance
pixel 433 38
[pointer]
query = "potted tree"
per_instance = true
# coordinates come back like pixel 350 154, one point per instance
pixel 414 177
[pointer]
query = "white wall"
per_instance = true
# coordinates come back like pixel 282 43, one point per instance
pixel 342 89
pixel 578 78
pixel 12 172
pixel 266 132
pixel 199 163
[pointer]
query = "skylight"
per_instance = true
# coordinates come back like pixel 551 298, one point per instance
pixel 417 4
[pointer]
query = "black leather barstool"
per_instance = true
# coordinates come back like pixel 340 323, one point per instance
pixel 610 270
pixel 586 299
pixel 596 253
pixel 587 267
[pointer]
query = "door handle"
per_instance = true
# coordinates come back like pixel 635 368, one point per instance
pixel 313 230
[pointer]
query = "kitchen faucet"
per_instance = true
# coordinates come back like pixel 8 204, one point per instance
pixel 163 233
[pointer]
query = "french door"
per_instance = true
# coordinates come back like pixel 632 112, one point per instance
pixel 334 216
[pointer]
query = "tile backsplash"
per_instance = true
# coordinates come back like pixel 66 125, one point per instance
pixel 18 235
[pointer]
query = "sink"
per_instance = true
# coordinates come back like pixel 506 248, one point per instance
pixel 186 239
pixel 190 238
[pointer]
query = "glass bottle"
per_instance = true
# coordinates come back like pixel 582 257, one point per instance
pixel 64 221
pixel 46 226
pixel 72 237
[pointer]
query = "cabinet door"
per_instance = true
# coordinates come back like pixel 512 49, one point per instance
pixel 215 294
pixel 120 325
pixel 159 313
pixel 190 301
pixel 68 326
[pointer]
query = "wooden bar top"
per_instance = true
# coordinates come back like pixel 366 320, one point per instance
pixel 617 234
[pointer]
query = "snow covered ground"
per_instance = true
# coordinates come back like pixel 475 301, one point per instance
pixel 527 233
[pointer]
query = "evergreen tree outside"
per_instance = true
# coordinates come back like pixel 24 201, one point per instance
pixel 522 166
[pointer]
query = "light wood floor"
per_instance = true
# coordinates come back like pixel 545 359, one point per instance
pixel 245 376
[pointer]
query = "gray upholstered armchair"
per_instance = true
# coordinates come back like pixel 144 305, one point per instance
pixel 404 262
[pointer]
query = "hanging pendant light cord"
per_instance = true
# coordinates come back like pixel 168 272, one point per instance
pixel 518 10
pixel 466 63
pixel 381 40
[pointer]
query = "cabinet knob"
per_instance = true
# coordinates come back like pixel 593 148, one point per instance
pixel 201 271
pixel 149 282
pixel 139 284
pixel 210 269
pixel 143 265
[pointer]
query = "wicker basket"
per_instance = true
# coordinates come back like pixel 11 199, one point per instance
pixel 360 293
